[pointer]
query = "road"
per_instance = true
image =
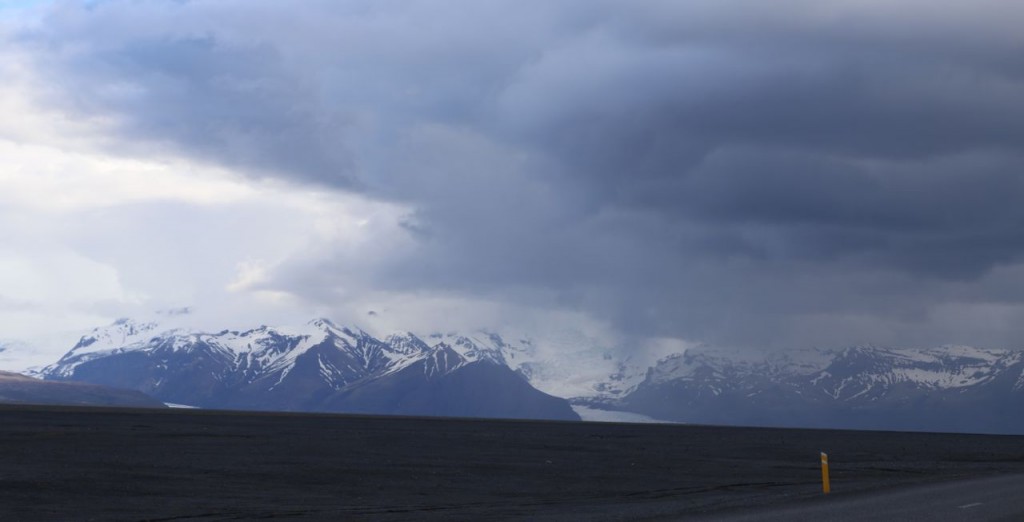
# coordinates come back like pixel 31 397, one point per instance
pixel 997 498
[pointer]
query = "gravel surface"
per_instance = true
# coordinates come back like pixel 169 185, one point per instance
pixel 100 464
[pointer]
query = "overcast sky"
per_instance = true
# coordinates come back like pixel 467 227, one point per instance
pixel 736 172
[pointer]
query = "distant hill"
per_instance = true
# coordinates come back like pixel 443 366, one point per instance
pixel 19 389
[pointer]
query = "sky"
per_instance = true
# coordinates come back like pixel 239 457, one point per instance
pixel 730 172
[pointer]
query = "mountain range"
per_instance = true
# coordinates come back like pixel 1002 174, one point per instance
pixel 949 388
pixel 322 366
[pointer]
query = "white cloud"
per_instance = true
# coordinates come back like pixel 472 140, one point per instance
pixel 89 235
pixel 44 178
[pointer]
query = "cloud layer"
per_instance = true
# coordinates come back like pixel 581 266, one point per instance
pixel 732 171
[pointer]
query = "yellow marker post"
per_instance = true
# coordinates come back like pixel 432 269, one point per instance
pixel 824 473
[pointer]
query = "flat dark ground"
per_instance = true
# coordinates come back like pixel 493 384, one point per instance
pixel 80 464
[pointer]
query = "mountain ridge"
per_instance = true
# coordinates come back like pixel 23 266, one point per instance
pixel 317 367
pixel 325 366
pixel 949 388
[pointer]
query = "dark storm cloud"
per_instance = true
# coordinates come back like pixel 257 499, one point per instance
pixel 234 104
pixel 720 170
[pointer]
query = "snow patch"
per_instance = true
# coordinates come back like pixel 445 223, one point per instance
pixel 596 415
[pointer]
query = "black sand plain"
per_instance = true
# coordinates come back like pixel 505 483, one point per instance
pixel 60 463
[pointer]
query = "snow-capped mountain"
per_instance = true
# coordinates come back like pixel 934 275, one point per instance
pixel 950 388
pixel 321 366
pixel 318 367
